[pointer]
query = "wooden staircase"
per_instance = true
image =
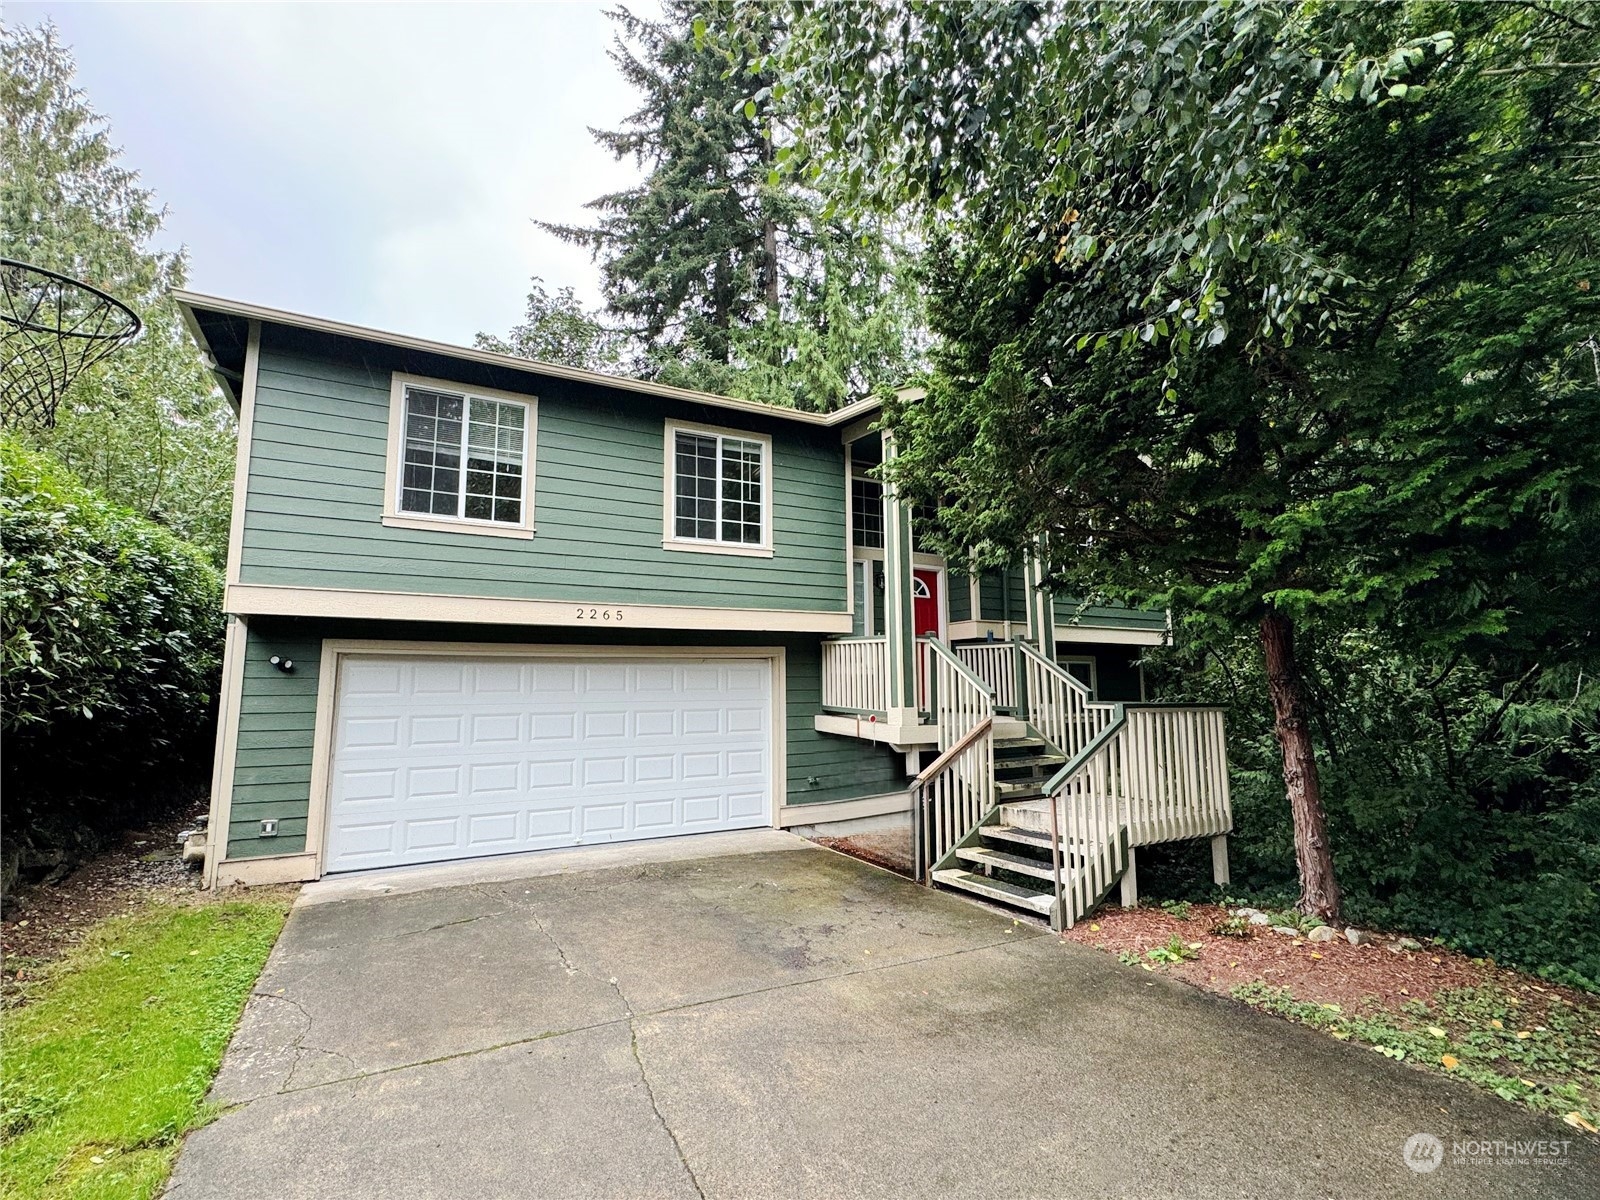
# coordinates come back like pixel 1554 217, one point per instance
pixel 1008 859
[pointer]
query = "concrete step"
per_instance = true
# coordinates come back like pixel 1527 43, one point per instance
pixel 1032 813
pixel 1008 729
pixel 1000 860
pixel 994 889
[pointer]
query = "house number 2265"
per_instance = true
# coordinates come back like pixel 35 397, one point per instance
pixel 599 614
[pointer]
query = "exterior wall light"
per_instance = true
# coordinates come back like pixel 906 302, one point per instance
pixel 286 665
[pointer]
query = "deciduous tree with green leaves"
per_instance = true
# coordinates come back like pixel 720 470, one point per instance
pixel 147 427
pixel 1273 313
pixel 558 329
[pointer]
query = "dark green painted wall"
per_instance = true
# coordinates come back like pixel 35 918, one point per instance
pixel 315 503
pixel 1116 667
pixel 272 777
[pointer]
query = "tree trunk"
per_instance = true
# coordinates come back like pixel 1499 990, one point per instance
pixel 1319 891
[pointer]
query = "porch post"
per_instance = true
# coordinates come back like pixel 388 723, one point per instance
pixel 1041 606
pixel 900 643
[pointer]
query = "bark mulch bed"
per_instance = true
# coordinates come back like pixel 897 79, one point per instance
pixel 889 849
pixel 1368 976
pixel 44 919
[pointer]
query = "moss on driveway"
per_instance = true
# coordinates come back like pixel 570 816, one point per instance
pixel 109 1054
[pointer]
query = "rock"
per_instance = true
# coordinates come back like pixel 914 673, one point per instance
pixel 1322 933
pixel 1259 918
pixel 1399 944
pixel 1288 929
pixel 1357 937
pixel 1246 912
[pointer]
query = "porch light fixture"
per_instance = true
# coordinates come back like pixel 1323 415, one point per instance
pixel 286 665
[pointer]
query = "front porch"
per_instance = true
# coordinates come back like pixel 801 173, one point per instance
pixel 1039 792
pixel 1038 795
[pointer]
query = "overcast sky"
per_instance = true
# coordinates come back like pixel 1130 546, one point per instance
pixel 380 164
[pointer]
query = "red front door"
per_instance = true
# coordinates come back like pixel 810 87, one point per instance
pixel 925 603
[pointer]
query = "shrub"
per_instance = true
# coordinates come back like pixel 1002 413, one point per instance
pixel 112 637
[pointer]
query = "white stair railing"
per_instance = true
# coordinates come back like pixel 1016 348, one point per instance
pixel 1155 773
pixel 855 674
pixel 957 791
pixel 996 664
pixel 1058 706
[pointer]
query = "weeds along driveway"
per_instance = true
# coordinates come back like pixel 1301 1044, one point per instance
pixel 758 1017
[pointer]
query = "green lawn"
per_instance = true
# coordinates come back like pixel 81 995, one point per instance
pixel 106 1066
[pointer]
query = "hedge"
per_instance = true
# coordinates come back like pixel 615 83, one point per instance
pixel 112 640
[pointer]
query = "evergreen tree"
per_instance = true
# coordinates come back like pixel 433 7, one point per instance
pixel 731 277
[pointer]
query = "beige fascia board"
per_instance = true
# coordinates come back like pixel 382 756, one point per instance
pixel 243 442
pixel 230 696
pixel 192 324
pixel 196 300
pixel 827 811
pixel 900 735
pixel 277 601
pixel 1110 636
pixel 267 869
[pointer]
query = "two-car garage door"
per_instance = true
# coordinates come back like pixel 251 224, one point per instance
pixel 439 758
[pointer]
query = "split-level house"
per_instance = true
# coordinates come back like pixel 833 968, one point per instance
pixel 481 605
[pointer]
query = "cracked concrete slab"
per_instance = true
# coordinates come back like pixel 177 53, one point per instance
pixel 786 1023
pixel 567 1116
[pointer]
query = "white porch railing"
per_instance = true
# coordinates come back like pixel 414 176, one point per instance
pixel 957 791
pixel 1154 774
pixel 1057 705
pixel 855 675
pixel 996 664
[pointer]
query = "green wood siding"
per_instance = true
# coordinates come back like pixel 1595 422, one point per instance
pixel 272 770
pixel 272 777
pixel 959 601
pixel 991 597
pixel 1108 616
pixel 313 515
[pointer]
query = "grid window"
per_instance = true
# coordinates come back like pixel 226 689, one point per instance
pixel 866 512
pixel 465 456
pixel 718 486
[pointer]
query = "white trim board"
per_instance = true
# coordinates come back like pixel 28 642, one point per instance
pixel 279 601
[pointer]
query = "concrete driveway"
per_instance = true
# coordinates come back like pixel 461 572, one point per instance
pixel 747 1015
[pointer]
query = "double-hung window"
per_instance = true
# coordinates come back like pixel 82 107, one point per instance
pixel 718 491
pixel 463 457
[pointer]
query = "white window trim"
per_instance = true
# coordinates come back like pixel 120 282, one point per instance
pixel 1094 670
pixel 669 492
pixel 396 518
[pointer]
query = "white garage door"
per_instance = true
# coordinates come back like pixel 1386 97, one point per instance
pixel 438 758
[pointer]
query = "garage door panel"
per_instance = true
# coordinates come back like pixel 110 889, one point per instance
pixel 490 756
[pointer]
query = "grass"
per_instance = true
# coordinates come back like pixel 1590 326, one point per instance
pixel 109 1057
pixel 1551 1064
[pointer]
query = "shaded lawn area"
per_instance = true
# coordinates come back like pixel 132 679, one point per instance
pixel 108 1053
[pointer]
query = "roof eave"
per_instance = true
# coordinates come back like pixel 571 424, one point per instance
pixel 189 302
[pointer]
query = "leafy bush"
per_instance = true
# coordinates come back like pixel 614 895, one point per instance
pixel 112 637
